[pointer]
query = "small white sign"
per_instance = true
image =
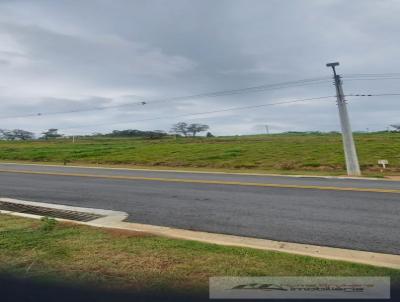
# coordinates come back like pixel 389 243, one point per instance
pixel 383 162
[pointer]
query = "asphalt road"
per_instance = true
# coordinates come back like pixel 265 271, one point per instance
pixel 225 203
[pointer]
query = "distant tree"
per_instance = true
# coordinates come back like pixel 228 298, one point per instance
pixel 157 134
pixel 209 134
pixel 396 127
pixel 2 133
pixel 97 134
pixel 22 134
pixel 137 133
pixel 126 133
pixel 51 133
pixel 6 134
pixel 16 134
pixel 196 128
pixel 185 129
pixel 180 128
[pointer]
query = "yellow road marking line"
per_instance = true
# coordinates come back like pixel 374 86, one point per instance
pixel 200 181
pixel 236 173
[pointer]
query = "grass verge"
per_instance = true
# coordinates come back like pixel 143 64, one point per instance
pixel 116 259
pixel 280 153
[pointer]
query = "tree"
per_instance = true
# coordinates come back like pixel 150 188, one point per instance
pixel 209 134
pixel 196 128
pixel 137 133
pixel 51 133
pixel 156 134
pixel 185 129
pixel 16 134
pixel 396 127
pixel 3 134
pixel 22 134
pixel 180 128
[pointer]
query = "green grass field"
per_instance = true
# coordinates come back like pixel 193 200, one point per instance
pixel 284 153
pixel 130 260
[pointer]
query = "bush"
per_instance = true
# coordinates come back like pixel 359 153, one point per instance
pixel 48 224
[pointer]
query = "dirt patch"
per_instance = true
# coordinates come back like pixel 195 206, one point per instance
pixel 119 233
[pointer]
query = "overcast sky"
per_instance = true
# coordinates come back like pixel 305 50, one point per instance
pixel 75 55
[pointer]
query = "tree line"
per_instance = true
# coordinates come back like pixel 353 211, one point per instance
pixel 19 134
pixel 181 129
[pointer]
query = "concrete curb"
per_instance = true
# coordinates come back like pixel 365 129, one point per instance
pixel 114 219
pixel 110 217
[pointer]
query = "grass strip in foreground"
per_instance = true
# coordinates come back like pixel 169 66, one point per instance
pixel 126 260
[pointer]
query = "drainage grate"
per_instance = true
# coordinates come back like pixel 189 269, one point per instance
pixel 42 211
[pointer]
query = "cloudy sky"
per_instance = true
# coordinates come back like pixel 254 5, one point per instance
pixel 75 56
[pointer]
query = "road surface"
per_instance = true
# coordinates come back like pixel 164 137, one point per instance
pixel 347 213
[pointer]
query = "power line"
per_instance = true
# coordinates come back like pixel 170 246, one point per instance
pixel 371 79
pixel 72 111
pixel 205 112
pixel 252 89
pixel 260 88
pixel 375 94
pixel 372 74
pixel 231 109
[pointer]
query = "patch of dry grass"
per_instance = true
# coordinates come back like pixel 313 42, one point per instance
pixel 133 260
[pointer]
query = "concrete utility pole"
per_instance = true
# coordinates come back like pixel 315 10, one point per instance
pixel 352 165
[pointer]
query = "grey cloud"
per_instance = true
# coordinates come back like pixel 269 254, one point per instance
pixel 118 50
pixel 106 56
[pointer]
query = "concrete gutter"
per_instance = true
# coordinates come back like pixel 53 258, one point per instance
pixel 114 220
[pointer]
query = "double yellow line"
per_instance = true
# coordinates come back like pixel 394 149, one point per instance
pixel 200 181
